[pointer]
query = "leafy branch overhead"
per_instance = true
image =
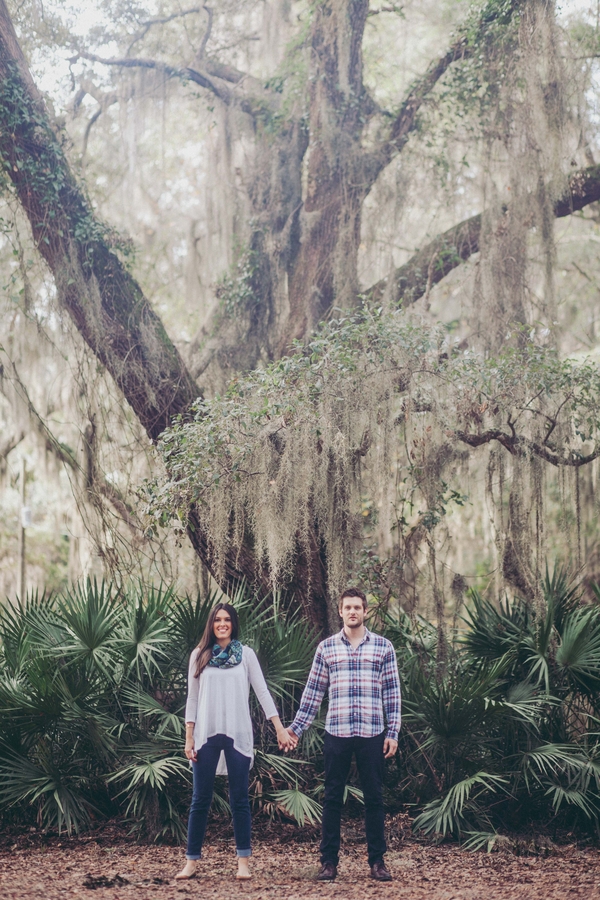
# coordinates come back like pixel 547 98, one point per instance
pixel 371 390
pixel 267 475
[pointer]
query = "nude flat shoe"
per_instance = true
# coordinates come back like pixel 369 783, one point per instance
pixel 244 877
pixel 181 876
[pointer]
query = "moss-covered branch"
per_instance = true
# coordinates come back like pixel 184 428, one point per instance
pixel 494 16
pixel 94 286
pixel 208 74
pixel 432 263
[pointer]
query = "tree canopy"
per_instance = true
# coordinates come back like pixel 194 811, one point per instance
pixel 395 173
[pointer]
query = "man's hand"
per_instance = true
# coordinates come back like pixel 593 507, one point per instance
pixel 389 748
pixel 288 740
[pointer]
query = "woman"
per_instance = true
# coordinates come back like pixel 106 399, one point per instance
pixel 218 737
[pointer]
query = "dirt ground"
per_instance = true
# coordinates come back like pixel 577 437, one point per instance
pixel 110 867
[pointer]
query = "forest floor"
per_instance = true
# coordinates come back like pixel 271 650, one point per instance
pixel 107 865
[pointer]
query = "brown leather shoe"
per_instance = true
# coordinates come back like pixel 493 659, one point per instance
pixel 328 872
pixel 379 871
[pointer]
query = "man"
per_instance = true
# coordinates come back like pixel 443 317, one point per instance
pixel 359 670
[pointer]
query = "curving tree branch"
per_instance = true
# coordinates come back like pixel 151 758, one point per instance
pixel 199 57
pixel 254 104
pixel 136 62
pixel 405 119
pixel 94 286
pixel 518 445
pixel 432 263
pixel 147 24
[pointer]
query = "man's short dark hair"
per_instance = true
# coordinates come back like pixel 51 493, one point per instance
pixel 353 592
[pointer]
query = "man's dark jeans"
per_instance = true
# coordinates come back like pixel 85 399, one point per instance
pixel 204 770
pixel 370 764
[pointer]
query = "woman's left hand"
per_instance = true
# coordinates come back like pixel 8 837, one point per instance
pixel 286 740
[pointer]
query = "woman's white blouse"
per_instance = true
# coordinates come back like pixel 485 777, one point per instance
pixel 217 702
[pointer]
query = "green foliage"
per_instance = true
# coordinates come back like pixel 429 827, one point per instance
pixel 92 690
pixel 299 806
pixel 214 448
pixel 275 454
pixel 237 290
pixel 557 648
pixel 449 813
pixel 499 724
pixel 502 732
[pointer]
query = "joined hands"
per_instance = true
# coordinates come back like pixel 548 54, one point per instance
pixel 287 740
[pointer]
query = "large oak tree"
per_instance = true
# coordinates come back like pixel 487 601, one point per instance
pixel 315 162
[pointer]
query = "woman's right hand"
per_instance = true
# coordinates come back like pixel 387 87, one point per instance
pixel 190 750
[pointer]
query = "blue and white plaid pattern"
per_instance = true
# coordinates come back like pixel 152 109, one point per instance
pixel 363 687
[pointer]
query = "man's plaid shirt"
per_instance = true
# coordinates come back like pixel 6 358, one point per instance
pixel 363 687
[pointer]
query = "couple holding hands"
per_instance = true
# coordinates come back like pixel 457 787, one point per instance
pixel 357 669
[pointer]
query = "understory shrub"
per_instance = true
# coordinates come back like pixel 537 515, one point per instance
pixel 92 695
pixel 500 719
pixel 500 727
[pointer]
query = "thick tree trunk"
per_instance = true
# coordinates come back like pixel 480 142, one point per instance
pixel 103 299
pixel 306 236
pixel 252 334
pixel 324 270
pixel 305 231
pixel 312 170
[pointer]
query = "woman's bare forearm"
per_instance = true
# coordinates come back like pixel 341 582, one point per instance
pixel 277 724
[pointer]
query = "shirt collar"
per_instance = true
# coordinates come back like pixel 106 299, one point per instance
pixel 366 637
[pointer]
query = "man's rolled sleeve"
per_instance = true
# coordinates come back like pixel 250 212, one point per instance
pixel 313 694
pixel 390 693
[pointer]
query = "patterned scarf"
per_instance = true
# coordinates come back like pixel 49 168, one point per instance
pixel 225 658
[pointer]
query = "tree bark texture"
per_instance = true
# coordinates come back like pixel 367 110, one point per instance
pixel 313 165
pixel 103 299
pixel 105 302
pixel 307 230
pixel 324 267
pixel 430 265
pixel 305 238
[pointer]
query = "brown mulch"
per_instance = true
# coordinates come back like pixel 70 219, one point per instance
pixel 109 866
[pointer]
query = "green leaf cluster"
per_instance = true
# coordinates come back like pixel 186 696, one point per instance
pixel 92 690
pixel 405 383
pixel 501 728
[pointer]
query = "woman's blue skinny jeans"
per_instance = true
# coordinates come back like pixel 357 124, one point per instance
pixel 204 769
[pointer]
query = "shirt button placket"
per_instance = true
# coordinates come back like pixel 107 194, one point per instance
pixel 353 689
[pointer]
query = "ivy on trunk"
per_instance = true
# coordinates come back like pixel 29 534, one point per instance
pixel 304 242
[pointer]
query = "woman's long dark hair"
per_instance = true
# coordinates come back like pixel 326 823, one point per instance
pixel 208 638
